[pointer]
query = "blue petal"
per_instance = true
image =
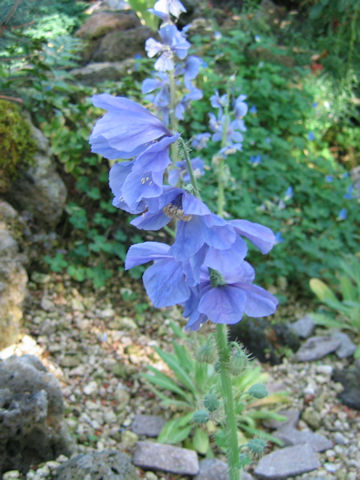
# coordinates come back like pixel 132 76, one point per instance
pixel 141 253
pixel 259 302
pixel 228 261
pixel 165 283
pixel 261 236
pixel 125 130
pixel 223 304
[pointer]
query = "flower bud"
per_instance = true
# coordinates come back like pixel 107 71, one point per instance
pixel 239 361
pixel 211 402
pixel 207 352
pixel 258 390
pixel 256 446
pixel 201 416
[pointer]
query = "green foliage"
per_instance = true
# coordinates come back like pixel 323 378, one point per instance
pixel 17 146
pixel 194 389
pixel 342 301
pixel 141 8
pixel 310 230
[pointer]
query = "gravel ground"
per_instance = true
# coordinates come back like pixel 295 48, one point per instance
pixel 96 346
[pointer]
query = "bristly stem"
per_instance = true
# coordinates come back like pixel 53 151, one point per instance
pixel 189 167
pixel 227 393
pixel 222 337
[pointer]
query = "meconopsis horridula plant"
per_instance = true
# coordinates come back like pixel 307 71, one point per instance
pixel 155 178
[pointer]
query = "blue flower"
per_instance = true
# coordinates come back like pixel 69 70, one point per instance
pixel 173 43
pixel 255 160
pixel 197 225
pixel 224 298
pixel 253 109
pixel 145 179
pixel 311 136
pixel 240 106
pixel 180 172
pixel 278 238
pixel 342 214
pixel 288 194
pixel 219 102
pixel 329 178
pixel 165 281
pixel 165 8
pixel 349 192
pixel 200 140
pixel 314 105
pixel 126 130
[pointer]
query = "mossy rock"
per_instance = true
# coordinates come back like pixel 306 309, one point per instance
pixel 17 146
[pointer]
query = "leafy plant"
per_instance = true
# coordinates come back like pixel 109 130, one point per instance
pixel 194 394
pixel 343 301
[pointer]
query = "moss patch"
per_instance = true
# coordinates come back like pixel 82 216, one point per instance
pixel 17 146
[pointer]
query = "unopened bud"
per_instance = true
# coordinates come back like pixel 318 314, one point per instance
pixel 211 402
pixel 239 361
pixel 256 446
pixel 258 391
pixel 207 352
pixel 201 416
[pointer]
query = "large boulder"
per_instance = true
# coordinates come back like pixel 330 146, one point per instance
pixel 31 415
pixel 113 36
pixel 13 277
pixel 40 189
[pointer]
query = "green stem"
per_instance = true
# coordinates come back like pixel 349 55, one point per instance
pixel 173 119
pixel 221 180
pixel 230 420
pixel 190 168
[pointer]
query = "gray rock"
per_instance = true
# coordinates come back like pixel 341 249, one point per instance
pixel 292 436
pixel 157 456
pixel 31 414
pixel 101 23
pixel 349 377
pixel 214 469
pixel 149 425
pixel 316 347
pixel 287 462
pixel 120 45
pixel 292 415
pixel 40 190
pixel 105 465
pixel 13 277
pixel 346 347
pixel 303 327
pixel 98 72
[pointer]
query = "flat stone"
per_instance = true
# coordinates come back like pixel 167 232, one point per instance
pixel 103 465
pixel 303 327
pixel 292 436
pixel 346 347
pixel 287 462
pixel 214 469
pixel 316 347
pixel 149 425
pixel 292 415
pixel 157 456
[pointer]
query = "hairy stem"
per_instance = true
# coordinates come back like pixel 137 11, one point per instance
pixel 227 393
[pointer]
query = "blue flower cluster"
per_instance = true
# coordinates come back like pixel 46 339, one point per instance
pixel 204 270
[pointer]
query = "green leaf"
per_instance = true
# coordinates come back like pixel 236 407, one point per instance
pixel 201 441
pixel 322 291
pixel 164 381
pixel 326 321
pixel 179 372
pixel 176 430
